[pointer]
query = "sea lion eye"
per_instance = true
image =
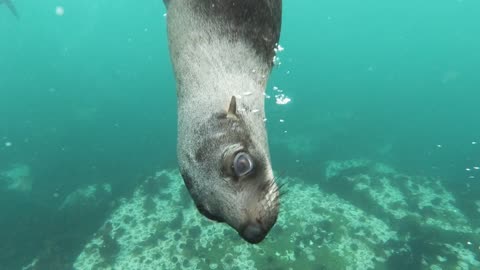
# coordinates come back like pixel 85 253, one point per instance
pixel 242 164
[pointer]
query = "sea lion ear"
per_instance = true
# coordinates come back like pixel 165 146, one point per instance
pixel 232 109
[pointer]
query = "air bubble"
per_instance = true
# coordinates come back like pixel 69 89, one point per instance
pixel 59 10
pixel 282 99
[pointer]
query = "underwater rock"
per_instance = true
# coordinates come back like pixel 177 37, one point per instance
pixel 315 230
pixel 419 208
pixel 88 198
pixel 17 178
pixel 31 266
pixel 380 189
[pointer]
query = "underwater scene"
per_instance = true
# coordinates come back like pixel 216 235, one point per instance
pixel 372 111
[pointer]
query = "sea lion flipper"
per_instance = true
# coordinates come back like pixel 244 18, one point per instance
pixel 12 7
pixel 166 2
pixel 232 109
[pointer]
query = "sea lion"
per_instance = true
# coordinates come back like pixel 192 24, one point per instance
pixel 222 52
pixel 10 6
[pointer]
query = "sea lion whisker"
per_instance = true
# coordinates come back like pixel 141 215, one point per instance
pixel 281 186
pixel 283 193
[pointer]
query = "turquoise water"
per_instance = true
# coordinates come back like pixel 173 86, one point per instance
pixel 88 98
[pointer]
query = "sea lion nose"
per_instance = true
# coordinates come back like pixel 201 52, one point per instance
pixel 253 233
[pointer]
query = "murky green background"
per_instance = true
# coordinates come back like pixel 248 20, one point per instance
pixel 89 97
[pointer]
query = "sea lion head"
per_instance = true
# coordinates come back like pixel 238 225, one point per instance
pixel 229 175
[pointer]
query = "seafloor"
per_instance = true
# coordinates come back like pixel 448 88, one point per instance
pixel 364 215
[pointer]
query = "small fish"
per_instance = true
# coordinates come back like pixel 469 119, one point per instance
pixel 10 6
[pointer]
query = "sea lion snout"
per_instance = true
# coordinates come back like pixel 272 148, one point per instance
pixel 253 233
pixel 260 217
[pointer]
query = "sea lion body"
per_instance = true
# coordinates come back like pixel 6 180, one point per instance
pixel 222 53
pixel 10 6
